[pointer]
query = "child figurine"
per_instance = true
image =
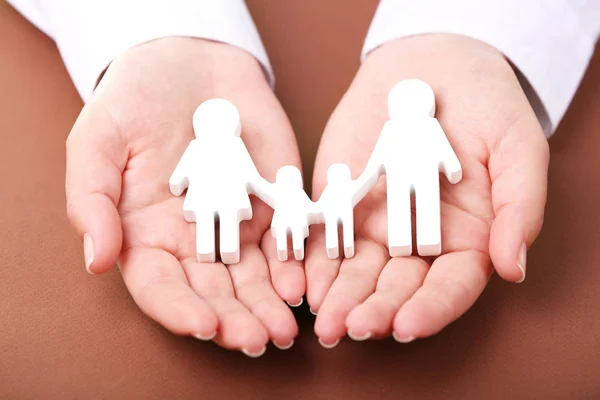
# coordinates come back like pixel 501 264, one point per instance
pixel 294 212
pixel 336 205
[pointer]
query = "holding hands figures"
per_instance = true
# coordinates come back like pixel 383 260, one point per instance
pixel 411 149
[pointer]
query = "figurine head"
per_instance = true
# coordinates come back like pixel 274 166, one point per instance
pixel 338 173
pixel 289 176
pixel 217 117
pixel 411 98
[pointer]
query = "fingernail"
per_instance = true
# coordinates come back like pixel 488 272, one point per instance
pixel 522 261
pixel 254 355
pixel 399 339
pixel 280 347
pixel 206 338
pixel 88 252
pixel 330 345
pixel 296 305
pixel 359 338
pixel 313 312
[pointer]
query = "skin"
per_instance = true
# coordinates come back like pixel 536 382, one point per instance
pixel 486 219
pixel 131 134
pixel 120 154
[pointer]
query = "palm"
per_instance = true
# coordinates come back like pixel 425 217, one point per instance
pixel 466 213
pixel 151 216
pixel 371 294
pixel 159 249
pixel 149 118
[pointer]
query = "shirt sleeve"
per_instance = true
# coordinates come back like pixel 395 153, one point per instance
pixel 549 42
pixel 90 34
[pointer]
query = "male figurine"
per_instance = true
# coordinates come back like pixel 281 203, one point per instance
pixel 294 212
pixel 336 205
pixel 219 174
pixel 410 151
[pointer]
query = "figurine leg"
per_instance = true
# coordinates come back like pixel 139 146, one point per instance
pixel 229 238
pixel 429 235
pixel 331 238
pixel 205 237
pixel 281 235
pixel 348 228
pixel 298 236
pixel 399 217
pixel 189 207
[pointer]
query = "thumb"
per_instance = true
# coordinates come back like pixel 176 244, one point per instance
pixel 96 157
pixel 518 170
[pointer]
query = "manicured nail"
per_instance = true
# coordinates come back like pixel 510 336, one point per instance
pixel 280 347
pixel 206 338
pixel 313 312
pixel 330 345
pixel 296 305
pixel 399 339
pixel 255 355
pixel 88 252
pixel 359 338
pixel 522 261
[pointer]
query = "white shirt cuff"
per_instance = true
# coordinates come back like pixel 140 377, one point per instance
pixel 549 42
pixel 90 34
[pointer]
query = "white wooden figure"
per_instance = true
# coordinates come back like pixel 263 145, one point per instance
pixel 336 206
pixel 411 150
pixel 294 212
pixel 218 173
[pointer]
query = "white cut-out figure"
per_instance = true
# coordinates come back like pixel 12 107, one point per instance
pixel 411 151
pixel 294 212
pixel 336 205
pixel 219 174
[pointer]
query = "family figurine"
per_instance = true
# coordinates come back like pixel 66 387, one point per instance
pixel 219 175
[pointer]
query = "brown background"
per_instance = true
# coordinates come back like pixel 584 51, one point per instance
pixel 66 334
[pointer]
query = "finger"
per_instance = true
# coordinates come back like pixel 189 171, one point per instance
pixel 452 285
pixel 287 276
pixel 238 328
pixel 399 280
pixel 320 270
pixel 356 281
pixel 159 286
pixel 252 285
pixel 518 170
pixel 96 158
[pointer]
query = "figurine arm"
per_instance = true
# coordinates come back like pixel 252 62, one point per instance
pixel 179 178
pixel 449 162
pixel 372 172
pixel 365 182
pixel 263 189
pixel 257 185
pixel 316 214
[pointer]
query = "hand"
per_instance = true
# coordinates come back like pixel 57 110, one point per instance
pixel 120 155
pixel 490 218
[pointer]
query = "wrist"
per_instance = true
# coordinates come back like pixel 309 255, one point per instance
pixel 213 61
pixel 437 57
pixel 472 80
